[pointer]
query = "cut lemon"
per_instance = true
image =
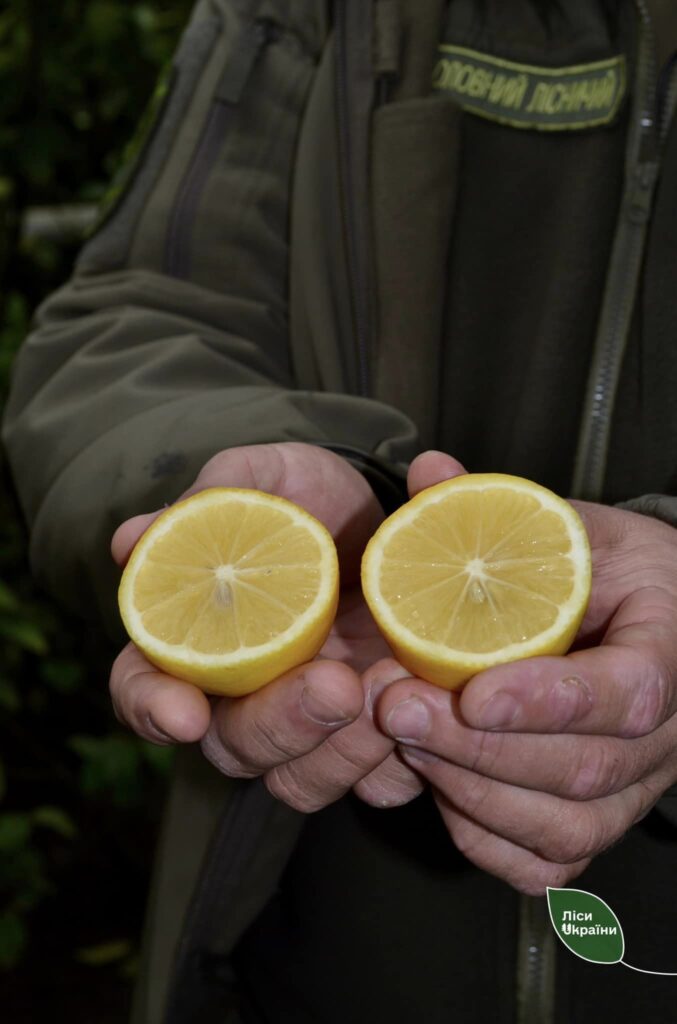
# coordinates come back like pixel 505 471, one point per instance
pixel 230 588
pixel 477 571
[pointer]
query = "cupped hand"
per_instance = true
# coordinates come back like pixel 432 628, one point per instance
pixel 539 765
pixel 310 733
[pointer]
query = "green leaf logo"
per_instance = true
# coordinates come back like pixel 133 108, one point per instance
pixel 586 925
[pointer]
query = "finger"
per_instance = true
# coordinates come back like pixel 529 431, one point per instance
pixel 432 467
pixel 316 479
pixel 623 688
pixel 127 535
pixel 284 720
pixel 576 767
pixel 355 638
pixel 322 776
pixel 392 784
pixel 319 778
pixel 157 707
pixel 234 467
pixel 557 830
pixel 259 467
pixel 520 868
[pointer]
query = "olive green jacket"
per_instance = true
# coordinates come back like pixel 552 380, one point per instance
pixel 254 280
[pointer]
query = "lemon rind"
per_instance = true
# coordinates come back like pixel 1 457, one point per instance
pixel 244 655
pixel 570 614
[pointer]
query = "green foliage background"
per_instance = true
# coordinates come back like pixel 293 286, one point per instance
pixel 79 797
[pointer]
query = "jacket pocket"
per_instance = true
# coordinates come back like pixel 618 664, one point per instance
pixel 414 180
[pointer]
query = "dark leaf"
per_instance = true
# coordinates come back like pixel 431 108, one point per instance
pixel 55 819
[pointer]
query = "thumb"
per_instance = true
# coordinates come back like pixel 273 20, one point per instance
pixel 255 467
pixel 316 479
pixel 432 467
pixel 127 534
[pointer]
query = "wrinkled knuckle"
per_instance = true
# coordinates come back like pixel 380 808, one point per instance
pixel 485 750
pixel 285 784
pixel 595 773
pixel 263 742
pixel 650 703
pixel 578 837
pixel 353 763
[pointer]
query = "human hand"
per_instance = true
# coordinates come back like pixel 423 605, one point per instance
pixel 539 765
pixel 309 733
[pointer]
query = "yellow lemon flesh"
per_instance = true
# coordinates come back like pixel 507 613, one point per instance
pixel 230 588
pixel 477 571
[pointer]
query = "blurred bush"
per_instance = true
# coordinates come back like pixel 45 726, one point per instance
pixel 78 797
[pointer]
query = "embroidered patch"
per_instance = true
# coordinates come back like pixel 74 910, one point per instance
pixel 526 96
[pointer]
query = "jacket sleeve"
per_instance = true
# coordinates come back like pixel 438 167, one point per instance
pixel 170 342
pixel 659 506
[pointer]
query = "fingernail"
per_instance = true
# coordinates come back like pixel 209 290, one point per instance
pixel 321 709
pixel 416 754
pixel 154 727
pixel 499 712
pixel 382 682
pixel 409 720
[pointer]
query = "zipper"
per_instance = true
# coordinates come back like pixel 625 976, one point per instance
pixel 667 99
pixel 353 117
pixel 254 37
pixel 536 963
pixel 642 166
pixel 651 114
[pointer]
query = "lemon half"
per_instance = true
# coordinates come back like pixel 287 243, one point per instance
pixel 230 588
pixel 477 571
